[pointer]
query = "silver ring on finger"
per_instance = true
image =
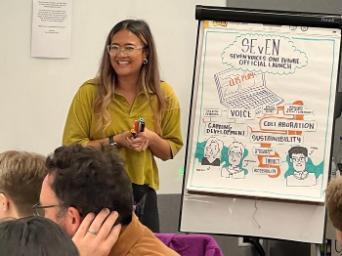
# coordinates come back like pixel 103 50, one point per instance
pixel 92 232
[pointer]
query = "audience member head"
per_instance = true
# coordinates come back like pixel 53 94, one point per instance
pixel 21 177
pixel 82 180
pixel 34 236
pixel 334 205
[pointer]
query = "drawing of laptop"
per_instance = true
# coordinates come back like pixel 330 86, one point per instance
pixel 244 90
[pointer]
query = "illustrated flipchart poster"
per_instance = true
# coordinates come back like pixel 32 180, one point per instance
pixel 263 102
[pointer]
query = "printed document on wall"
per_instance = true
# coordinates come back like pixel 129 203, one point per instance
pixel 51 28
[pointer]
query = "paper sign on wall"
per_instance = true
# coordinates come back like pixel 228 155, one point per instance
pixel 51 28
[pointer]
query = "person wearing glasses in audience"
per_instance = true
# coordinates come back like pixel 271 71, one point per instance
pixel 126 89
pixel 21 177
pixel 84 179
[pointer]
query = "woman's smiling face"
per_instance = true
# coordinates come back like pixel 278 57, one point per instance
pixel 128 59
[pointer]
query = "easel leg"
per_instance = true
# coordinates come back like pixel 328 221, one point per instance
pixel 255 241
pixel 315 250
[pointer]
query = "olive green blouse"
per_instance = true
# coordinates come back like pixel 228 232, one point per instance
pixel 80 126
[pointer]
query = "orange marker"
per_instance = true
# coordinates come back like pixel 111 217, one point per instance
pixel 134 133
pixel 136 126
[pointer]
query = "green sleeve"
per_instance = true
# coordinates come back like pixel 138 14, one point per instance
pixel 170 124
pixel 77 128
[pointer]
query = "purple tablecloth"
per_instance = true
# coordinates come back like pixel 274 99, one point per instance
pixel 191 244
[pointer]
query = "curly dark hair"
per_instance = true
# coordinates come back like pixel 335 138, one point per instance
pixel 90 180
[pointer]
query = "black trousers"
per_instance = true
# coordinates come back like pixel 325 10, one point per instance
pixel 145 200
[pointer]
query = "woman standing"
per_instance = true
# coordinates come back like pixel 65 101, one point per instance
pixel 126 89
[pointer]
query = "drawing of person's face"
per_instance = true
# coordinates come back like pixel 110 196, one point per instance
pixel 299 162
pixel 212 149
pixel 235 156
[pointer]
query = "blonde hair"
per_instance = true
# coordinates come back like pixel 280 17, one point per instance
pixel 149 76
pixel 334 202
pixel 21 177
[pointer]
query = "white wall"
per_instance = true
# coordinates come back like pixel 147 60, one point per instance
pixel 36 93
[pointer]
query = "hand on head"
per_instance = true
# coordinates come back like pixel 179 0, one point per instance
pixel 97 234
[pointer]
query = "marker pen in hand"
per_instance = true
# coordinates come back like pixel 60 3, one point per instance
pixel 141 124
pixel 136 126
pixel 134 133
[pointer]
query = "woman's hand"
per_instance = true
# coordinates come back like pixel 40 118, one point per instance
pixel 146 139
pixel 141 141
pixel 121 139
pixel 96 234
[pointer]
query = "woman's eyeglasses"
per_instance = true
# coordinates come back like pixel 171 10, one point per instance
pixel 114 49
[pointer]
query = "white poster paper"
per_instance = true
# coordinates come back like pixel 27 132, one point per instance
pixel 263 110
pixel 51 28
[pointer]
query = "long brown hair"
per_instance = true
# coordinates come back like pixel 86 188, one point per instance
pixel 107 78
